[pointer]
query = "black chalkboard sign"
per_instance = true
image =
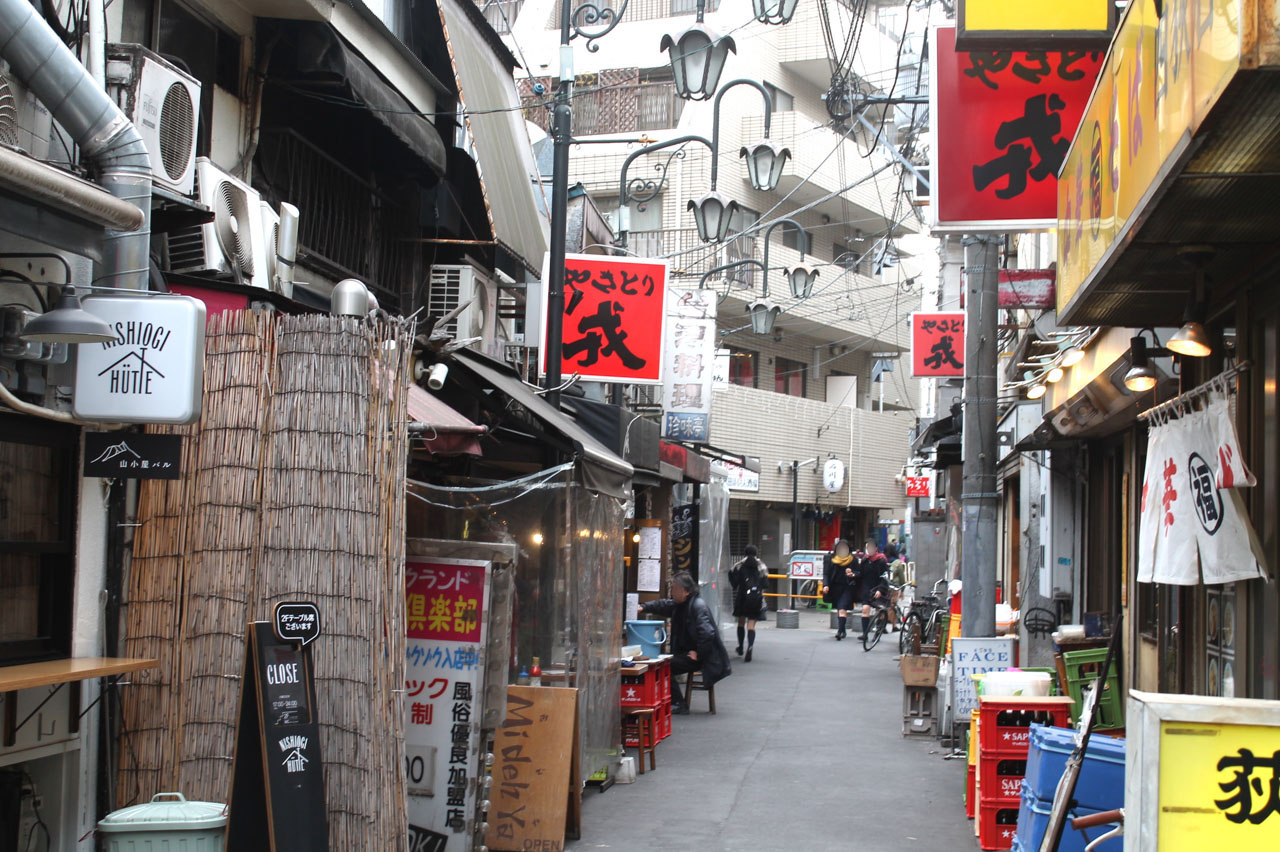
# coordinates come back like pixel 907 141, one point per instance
pixel 277 781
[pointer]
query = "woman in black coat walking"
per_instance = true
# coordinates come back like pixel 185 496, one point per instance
pixel 839 584
pixel 747 578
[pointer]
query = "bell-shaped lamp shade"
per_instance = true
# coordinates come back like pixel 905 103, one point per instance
pixel 712 213
pixel 774 11
pixel 765 162
pixel 801 280
pixel 697 59
pixel 350 298
pixel 67 322
pixel 1141 377
pixel 1036 391
pixel 1191 340
pixel 763 313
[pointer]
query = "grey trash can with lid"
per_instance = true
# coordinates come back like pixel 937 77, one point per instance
pixel 168 823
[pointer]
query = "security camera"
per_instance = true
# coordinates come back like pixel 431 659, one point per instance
pixel 436 375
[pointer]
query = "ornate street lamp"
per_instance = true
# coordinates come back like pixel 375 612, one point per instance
pixel 763 313
pixel 774 11
pixel 801 281
pixel 713 214
pixel 765 162
pixel 697 58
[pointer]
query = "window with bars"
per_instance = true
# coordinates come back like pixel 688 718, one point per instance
pixel 739 538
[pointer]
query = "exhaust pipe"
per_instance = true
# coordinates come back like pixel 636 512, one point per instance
pixel 286 249
pixel 53 73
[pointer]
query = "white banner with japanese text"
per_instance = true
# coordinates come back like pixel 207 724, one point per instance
pixel 690 367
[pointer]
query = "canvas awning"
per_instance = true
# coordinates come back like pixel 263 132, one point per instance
pixel 324 59
pixel 486 87
pixel 439 428
pixel 601 470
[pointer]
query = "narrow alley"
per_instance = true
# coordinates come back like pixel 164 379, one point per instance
pixel 805 752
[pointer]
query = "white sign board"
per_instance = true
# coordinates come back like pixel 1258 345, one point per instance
pixel 738 478
pixel 690 365
pixel 833 475
pixel 971 656
pixel 446 604
pixel 153 372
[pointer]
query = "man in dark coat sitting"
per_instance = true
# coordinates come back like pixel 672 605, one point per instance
pixel 695 637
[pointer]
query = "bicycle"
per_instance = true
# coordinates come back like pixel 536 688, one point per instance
pixel 879 624
pixel 1115 818
pixel 925 617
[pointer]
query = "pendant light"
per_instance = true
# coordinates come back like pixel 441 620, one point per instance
pixel 68 322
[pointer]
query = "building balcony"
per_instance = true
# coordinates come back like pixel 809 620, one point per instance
pixel 778 428
pixel 802 45
pixel 823 163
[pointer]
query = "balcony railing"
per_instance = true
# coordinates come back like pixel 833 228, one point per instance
pixel 601 107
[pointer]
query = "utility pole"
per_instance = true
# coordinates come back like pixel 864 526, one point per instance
pixel 978 492
pixel 561 137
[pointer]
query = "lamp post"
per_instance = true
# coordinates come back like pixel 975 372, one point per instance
pixel 591 22
pixel 713 212
pixel 697 58
pixel 763 312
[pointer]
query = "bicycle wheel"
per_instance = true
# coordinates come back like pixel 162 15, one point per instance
pixel 879 622
pixel 907 629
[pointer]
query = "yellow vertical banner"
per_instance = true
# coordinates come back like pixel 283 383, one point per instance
pixel 1098 202
pixel 1173 75
pixel 1138 154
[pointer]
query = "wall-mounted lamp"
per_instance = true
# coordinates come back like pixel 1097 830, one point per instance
pixel 67 322
pixel 1036 391
pixel 1053 376
pixel 1191 339
pixel 1142 377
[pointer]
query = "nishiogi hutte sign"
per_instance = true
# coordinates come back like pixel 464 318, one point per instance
pixel 153 372
pixel 614 314
pixel 937 344
pixel 1003 124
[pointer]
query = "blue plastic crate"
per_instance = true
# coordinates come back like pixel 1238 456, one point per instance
pixel 1033 819
pixel 1101 783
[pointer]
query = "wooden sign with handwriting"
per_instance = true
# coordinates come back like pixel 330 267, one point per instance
pixel 532 753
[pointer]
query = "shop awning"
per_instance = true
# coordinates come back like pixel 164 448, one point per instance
pixel 324 58
pixel 1203 170
pixel 601 470
pixel 507 169
pixel 438 428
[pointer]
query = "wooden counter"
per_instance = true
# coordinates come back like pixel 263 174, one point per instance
pixel 31 675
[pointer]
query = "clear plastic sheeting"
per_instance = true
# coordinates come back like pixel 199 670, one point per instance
pixel 568 582
pixel 714 559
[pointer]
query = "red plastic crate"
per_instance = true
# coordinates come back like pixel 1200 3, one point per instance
pixel 1002 777
pixel 998 824
pixel 632 741
pixel 663 721
pixel 664 682
pixel 1006 722
pixel 640 690
pixel 970 791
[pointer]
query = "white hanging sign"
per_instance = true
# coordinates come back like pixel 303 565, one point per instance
pixel 153 372
pixel 833 475
pixel 690 366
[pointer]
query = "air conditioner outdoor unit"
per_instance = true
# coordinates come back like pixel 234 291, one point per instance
pixel 163 102
pixel 451 285
pixel 233 243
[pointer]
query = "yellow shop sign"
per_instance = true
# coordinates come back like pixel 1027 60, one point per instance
pixel 1219 787
pixel 1034 24
pixel 1163 74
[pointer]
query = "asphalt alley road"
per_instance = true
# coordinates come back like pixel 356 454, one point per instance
pixel 805 753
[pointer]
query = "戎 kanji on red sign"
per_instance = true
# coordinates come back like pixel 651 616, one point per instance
pixel 614 314
pixel 937 344
pixel 1007 120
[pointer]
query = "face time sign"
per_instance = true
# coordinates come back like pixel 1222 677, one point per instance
pixel 153 372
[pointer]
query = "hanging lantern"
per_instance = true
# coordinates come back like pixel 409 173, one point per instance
pixel 763 313
pixel 697 58
pixel 765 162
pixel 801 281
pixel 774 11
pixel 713 213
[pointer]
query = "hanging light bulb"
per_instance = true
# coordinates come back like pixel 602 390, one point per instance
pixel 1141 377
pixel 1054 376
pixel 1036 391
pixel 1073 356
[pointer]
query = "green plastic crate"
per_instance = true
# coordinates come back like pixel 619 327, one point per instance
pixel 1082 667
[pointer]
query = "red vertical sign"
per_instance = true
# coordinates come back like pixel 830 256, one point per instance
pixel 937 344
pixel 1004 122
pixel 614 315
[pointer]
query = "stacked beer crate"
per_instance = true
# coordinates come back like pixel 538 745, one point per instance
pixel 1004 738
pixel 648 686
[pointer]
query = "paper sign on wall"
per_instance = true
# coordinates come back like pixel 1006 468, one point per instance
pixel 690 355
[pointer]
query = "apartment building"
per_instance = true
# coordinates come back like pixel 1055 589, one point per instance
pixel 826 381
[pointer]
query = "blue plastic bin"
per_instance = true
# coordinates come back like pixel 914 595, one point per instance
pixel 1101 783
pixel 1033 819
pixel 647 634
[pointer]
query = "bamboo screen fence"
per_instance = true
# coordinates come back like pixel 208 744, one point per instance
pixel 292 488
